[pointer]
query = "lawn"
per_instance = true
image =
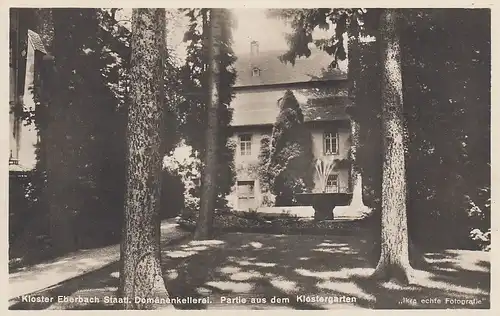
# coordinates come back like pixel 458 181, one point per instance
pixel 263 271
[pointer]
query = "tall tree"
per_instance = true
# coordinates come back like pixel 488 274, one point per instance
pixel 394 257
pixel 209 175
pixel 447 110
pixel 141 274
pixel 193 112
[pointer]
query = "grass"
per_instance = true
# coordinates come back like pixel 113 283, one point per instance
pixel 240 270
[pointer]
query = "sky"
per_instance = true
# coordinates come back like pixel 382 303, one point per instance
pixel 251 25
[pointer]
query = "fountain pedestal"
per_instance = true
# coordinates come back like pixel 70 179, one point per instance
pixel 324 203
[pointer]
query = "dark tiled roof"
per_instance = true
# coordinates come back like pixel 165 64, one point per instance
pixel 273 71
pixel 261 107
pixel 14 168
pixel 36 41
pixel 333 108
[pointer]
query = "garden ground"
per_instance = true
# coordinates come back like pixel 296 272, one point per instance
pixel 239 267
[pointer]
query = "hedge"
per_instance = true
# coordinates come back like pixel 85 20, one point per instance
pixel 254 222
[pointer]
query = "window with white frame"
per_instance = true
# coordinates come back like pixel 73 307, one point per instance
pixel 245 144
pixel 332 184
pixel 246 189
pixel 330 143
pixel 255 72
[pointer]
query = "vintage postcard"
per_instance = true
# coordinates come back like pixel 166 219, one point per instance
pixel 249 158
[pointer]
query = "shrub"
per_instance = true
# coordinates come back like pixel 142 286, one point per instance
pixel 286 168
pixel 479 213
pixel 254 222
pixel 184 163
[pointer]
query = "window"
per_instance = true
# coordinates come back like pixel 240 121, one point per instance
pixel 246 144
pixel 330 143
pixel 246 190
pixel 332 184
pixel 255 72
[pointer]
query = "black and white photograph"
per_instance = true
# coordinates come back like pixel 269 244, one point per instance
pixel 248 158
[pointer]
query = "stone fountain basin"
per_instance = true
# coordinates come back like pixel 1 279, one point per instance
pixel 324 203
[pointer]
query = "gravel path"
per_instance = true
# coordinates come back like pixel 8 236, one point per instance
pixel 43 275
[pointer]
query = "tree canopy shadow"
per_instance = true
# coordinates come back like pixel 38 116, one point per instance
pixel 305 272
pixel 335 268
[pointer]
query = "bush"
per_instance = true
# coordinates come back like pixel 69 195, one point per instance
pixel 19 206
pixel 254 222
pixel 480 219
pixel 483 239
pixel 172 195
pixel 28 216
pixel 184 164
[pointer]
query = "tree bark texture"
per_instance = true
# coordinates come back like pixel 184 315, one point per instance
pixel 208 188
pixel 141 274
pixel 394 258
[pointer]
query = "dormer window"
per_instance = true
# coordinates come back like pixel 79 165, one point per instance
pixel 255 72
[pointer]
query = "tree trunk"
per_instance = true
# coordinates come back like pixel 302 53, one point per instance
pixel 357 207
pixel 208 186
pixel 141 275
pixel 394 257
pixel 357 203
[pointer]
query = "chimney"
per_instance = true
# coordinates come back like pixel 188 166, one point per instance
pixel 254 48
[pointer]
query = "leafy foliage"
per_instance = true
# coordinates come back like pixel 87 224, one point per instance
pixel 193 108
pixel 83 89
pixel 356 21
pixel 284 223
pixel 446 101
pixel 182 162
pixel 450 131
pixel 89 78
pixel 480 218
pixel 87 84
pixel 263 163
